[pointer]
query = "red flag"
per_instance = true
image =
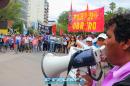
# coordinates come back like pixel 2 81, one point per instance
pixel 61 32
pixel 54 29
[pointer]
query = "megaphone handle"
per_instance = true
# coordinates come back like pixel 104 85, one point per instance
pixel 94 78
pixel 70 66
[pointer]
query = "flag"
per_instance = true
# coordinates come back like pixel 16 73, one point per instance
pixel 54 29
pixel 61 32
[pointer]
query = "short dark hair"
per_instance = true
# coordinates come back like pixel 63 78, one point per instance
pixel 122 27
pixel 101 39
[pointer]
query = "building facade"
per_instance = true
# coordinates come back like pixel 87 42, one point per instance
pixel 36 12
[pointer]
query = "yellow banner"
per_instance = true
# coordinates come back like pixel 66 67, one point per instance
pixel 4 31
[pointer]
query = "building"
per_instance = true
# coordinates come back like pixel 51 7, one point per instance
pixel 36 13
pixel 46 12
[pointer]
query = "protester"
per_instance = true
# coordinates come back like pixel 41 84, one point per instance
pixel 89 41
pixel 64 44
pixel 52 41
pixel 72 42
pixel 1 44
pixel 118 51
pixel 100 40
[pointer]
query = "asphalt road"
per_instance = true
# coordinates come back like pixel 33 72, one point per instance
pixel 22 69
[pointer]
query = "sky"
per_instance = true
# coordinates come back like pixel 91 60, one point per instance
pixel 56 7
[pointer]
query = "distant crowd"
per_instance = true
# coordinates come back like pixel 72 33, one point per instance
pixel 50 43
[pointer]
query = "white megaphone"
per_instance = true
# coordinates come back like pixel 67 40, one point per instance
pixel 52 65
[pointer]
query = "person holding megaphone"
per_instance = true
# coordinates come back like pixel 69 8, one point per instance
pixel 117 52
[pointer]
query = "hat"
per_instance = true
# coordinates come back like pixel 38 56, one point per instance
pixel 89 39
pixel 102 35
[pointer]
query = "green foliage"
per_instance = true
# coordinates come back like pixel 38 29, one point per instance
pixel 12 12
pixel 108 15
pixel 112 6
pixel 63 21
pixel 120 10
pixel 18 26
pixel 33 31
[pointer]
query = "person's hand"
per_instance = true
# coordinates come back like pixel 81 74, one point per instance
pixel 103 57
pixel 89 80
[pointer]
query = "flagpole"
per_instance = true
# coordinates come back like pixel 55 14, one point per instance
pixel 87 14
pixel 70 18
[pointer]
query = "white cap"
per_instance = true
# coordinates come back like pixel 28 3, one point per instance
pixel 102 35
pixel 89 39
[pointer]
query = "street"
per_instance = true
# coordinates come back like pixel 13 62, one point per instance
pixel 22 69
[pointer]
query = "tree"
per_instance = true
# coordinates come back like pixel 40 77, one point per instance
pixel 108 15
pixel 120 10
pixel 112 6
pixel 63 21
pixel 12 12
pixel 127 11
pixel 18 26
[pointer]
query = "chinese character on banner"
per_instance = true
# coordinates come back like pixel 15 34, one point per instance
pixel 54 29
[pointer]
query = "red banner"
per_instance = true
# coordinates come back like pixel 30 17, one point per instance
pixel 54 29
pixel 87 21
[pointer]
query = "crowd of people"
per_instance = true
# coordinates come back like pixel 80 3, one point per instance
pixel 46 42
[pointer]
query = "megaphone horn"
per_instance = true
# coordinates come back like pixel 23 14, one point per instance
pixel 53 65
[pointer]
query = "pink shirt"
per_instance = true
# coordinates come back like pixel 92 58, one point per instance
pixel 116 74
pixel 34 41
